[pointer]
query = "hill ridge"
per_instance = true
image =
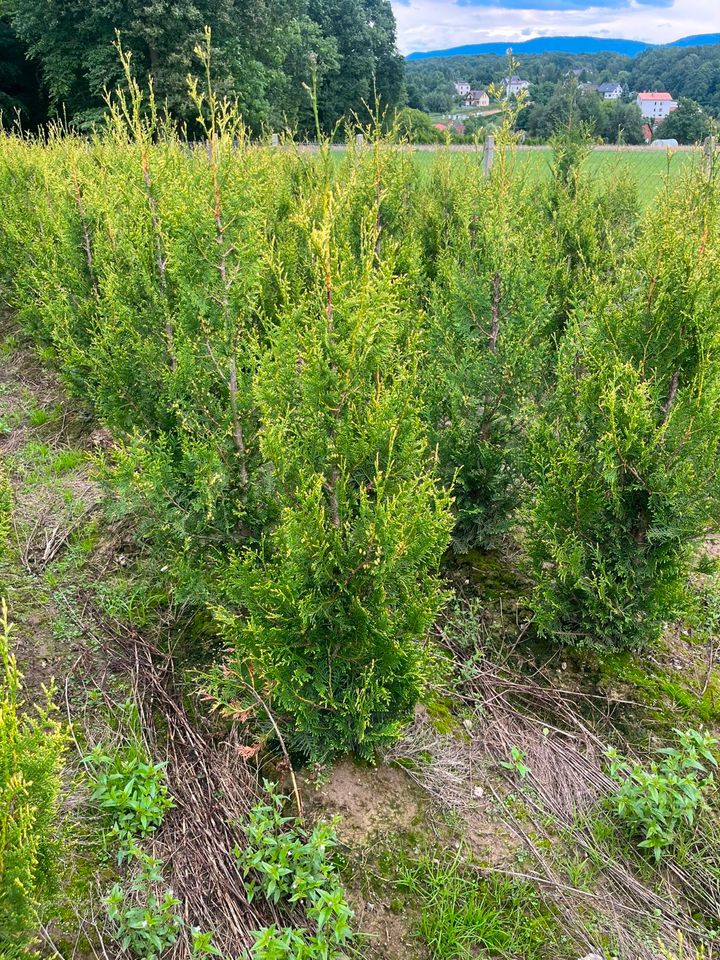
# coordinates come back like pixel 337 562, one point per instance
pixel 576 45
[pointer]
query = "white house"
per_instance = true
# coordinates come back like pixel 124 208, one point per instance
pixel 462 88
pixel 513 85
pixel 656 106
pixel 477 98
pixel 610 91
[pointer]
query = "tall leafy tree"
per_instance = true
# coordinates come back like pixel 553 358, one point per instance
pixel 73 42
pixel 368 64
pixel 688 124
pixel 265 50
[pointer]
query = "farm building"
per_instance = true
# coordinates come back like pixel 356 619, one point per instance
pixel 462 88
pixel 656 106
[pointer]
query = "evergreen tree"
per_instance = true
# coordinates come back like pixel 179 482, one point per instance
pixel 624 458
pixel 331 616
pixel 490 325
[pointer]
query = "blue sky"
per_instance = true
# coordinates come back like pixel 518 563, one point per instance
pixel 436 24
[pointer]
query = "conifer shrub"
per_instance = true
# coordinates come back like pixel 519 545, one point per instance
pixel 331 613
pixel 490 323
pixel 623 458
pixel 32 751
pixel 591 221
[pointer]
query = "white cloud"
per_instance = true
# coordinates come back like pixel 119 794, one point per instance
pixel 438 24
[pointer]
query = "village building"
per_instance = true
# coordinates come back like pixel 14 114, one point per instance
pixel 514 85
pixel 477 98
pixel 610 91
pixel 656 106
pixel 462 88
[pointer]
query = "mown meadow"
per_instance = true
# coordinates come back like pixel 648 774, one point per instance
pixel 652 170
pixel 326 381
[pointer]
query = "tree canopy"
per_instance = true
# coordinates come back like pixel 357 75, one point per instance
pixel 264 52
pixel 688 124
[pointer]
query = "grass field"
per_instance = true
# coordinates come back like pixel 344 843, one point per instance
pixel 649 168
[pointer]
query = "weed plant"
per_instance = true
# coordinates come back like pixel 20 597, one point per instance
pixel 288 865
pixel 464 915
pixel 660 802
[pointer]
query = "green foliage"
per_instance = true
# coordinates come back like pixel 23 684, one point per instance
pixel 686 71
pixel 145 923
pixel 337 600
pixel 130 790
pixel 688 124
pixel 306 360
pixel 6 529
pixel 461 914
pixel 32 750
pixel 489 325
pixel 590 228
pixel 623 459
pixel 288 866
pixel 661 800
pixel 414 126
pixel 264 56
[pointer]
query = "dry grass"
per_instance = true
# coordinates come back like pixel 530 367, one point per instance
pixel 538 750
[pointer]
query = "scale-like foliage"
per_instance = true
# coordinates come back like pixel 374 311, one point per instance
pixel 32 748
pixel 625 458
pixel 488 349
pixel 337 603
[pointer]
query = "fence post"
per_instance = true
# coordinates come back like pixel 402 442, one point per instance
pixel 488 155
pixel 708 156
pixel 274 140
pixel 359 141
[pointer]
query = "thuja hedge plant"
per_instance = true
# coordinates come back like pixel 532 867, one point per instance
pixel 303 358
pixel 248 324
pixel 489 342
pixel 338 599
pixel 623 458
pixel 32 753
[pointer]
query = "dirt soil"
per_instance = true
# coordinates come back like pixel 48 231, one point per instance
pixel 373 805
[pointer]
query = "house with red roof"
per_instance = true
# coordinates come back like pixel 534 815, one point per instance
pixel 655 106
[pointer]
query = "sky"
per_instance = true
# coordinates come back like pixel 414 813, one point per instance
pixel 438 24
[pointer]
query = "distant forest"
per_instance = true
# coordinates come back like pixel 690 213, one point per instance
pixel 686 72
pixel 57 56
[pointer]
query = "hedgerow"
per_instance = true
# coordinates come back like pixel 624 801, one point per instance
pixel 319 368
